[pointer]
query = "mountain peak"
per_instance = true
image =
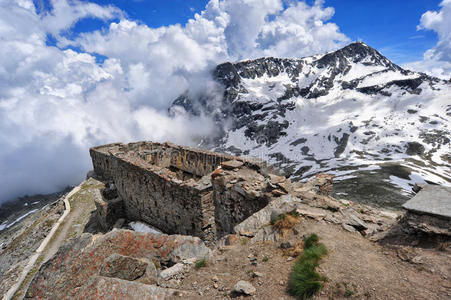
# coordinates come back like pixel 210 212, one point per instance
pixel 357 52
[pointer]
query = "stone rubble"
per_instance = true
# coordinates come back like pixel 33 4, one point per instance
pixel 126 255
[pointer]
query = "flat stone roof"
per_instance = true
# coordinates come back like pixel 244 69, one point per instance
pixel 432 200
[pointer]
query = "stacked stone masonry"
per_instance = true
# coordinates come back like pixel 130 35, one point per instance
pixel 180 189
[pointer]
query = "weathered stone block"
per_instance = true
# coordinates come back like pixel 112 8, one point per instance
pixel 123 267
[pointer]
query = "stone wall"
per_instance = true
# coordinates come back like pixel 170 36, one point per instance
pixel 154 194
pixel 181 190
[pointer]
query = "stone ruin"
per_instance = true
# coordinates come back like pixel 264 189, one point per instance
pixel 181 190
pixel 429 210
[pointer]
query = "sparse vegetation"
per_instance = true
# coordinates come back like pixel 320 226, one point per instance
pixel 157 264
pixel 243 242
pixel 349 293
pixel 265 259
pixel 200 263
pixel 281 217
pixel 304 281
pixel 284 222
pixel 278 218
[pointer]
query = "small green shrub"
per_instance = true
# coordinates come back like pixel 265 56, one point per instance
pixel 304 281
pixel 265 259
pixel 294 214
pixel 200 263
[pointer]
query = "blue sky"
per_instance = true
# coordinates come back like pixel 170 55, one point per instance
pixel 387 25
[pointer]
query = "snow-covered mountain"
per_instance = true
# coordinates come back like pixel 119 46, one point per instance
pixel 352 112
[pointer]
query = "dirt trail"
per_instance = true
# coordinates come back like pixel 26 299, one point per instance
pixel 60 238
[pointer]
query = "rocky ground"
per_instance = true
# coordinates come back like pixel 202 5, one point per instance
pixel 370 257
pixel 355 268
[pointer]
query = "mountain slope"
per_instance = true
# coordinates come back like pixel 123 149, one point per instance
pixel 351 112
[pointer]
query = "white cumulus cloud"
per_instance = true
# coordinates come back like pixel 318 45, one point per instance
pixel 56 102
pixel 437 60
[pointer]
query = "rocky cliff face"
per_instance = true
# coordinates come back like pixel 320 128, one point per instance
pixel 350 112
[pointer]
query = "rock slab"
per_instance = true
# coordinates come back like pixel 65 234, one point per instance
pixel 431 200
pixel 123 267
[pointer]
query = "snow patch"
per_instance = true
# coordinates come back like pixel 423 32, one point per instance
pixel 5 224
pixel 142 227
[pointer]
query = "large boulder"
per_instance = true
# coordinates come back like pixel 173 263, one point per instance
pixel 123 267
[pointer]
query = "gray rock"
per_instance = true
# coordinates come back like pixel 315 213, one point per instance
pixel 231 164
pixel 176 269
pixel 119 223
pixel 189 247
pixel 354 221
pixel 348 228
pixel 123 267
pixel 276 178
pixel 267 233
pixel 313 214
pixel 244 287
pixel 357 223
pixel 255 222
pixel 112 288
pixel 151 276
pixel 257 274
pixel 432 200
pixel 285 245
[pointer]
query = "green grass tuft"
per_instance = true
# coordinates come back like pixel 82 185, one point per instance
pixel 200 263
pixel 304 281
pixel 311 240
pixel 278 218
